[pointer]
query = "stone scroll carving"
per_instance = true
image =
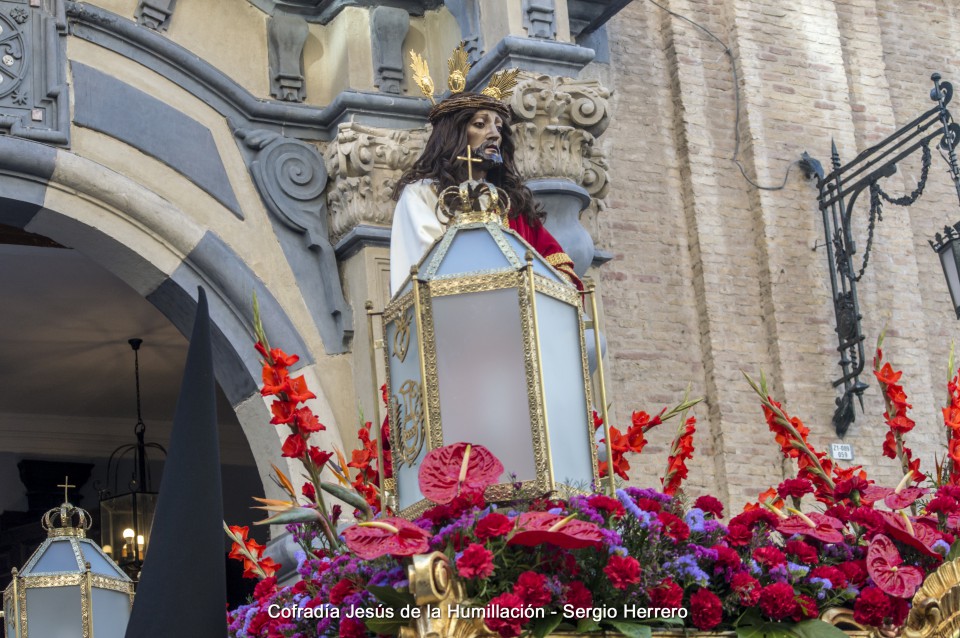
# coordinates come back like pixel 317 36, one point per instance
pixel 558 122
pixel 364 163
pixel 291 177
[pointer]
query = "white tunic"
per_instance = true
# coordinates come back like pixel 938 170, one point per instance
pixel 415 229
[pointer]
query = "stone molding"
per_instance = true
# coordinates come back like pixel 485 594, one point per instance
pixel 155 14
pixel 388 29
pixel 539 18
pixel 557 124
pixel 364 163
pixel 287 35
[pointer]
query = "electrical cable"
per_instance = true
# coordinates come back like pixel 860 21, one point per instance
pixel 736 96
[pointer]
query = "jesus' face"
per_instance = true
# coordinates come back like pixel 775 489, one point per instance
pixel 484 137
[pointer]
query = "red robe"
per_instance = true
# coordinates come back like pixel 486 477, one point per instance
pixel 548 247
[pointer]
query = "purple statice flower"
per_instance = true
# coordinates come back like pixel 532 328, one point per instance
pixel 711 525
pixel 704 553
pixel 779 574
pixel 797 570
pixel 324 625
pixel 941 547
pixel 653 495
pixel 753 567
pixel 579 504
pixel 555 510
pixel 642 516
pixel 823 582
pixel 694 520
pixel 686 568
pixel 611 537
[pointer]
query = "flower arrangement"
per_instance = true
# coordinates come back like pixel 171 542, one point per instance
pixel 626 561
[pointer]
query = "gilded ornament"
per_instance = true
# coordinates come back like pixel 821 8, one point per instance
pixel 401 338
pixel 412 429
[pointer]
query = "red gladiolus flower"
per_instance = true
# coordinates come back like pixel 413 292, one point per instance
pixel 706 612
pixel 886 568
pixel 283 412
pixel 901 423
pixel 886 375
pixel 666 595
pixel 394 536
pixel 534 528
pixel 298 392
pixel 871 607
pixel 318 456
pixel 475 562
pixel 622 571
pixel 294 447
pixel 307 421
pixel 710 505
pixel 448 470
pixel 493 525
pixel 777 601
pixel 681 450
pixel 309 491
pixel 532 589
pixel 275 380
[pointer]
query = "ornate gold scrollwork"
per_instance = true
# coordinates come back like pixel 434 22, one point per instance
pixel 440 596
pixel 936 606
pixel 412 429
pixel 401 338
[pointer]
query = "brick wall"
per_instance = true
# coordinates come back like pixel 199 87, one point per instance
pixel 712 275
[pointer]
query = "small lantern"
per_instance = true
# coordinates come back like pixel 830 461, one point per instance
pixel 484 344
pixel 948 247
pixel 69 588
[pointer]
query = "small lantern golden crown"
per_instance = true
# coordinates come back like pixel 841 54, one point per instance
pixel 499 88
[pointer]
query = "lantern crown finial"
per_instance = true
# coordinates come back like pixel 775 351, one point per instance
pixel 67 520
pixel 474 201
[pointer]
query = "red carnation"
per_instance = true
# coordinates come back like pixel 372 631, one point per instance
pixel 341 590
pixel 942 504
pixel 738 535
pixel 648 504
pixel 532 589
pixel 493 525
pixel 666 595
pixel 265 588
pixel 674 526
pixel 606 504
pixel 855 571
pixel 506 627
pixel 623 571
pixel 710 505
pixel 726 557
pixel 805 553
pixel 706 611
pixel 777 601
pixel 746 587
pixel 836 577
pixel 475 562
pixel 871 607
pixel 769 556
pixel 806 608
pixel 795 487
pixel 578 596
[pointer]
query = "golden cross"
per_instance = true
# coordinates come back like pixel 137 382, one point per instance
pixel 66 485
pixel 470 159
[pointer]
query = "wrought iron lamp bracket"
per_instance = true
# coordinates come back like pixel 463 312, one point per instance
pixel 838 191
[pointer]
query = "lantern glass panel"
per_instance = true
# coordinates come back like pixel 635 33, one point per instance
pixel 471 250
pixel 54 611
pixel 8 615
pixel 98 562
pixel 539 267
pixel 948 260
pixel 111 612
pixel 482 379
pixel 58 557
pixel 565 388
pixel 407 392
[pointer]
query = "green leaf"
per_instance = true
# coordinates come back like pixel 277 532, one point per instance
pixel 630 629
pixel 543 627
pixel 385 626
pixel 392 597
pixel 587 625
pixel 816 628
pixel 954 551
pixel 350 497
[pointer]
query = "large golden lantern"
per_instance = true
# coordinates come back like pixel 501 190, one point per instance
pixel 68 588
pixel 484 343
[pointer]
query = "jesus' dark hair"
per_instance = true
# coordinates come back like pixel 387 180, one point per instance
pixel 439 163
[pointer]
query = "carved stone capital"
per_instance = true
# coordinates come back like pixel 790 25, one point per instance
pixel 558 122
pixel 364 164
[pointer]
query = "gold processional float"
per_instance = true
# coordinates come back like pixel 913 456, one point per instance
pixel 485 342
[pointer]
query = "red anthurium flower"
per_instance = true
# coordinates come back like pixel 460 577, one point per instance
pixel 534 528
pixel 819 526
pixel 447 471
pixel 902 528
pixel 394 536
pixel 904 498
pixel 875 493
pixel 886 568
